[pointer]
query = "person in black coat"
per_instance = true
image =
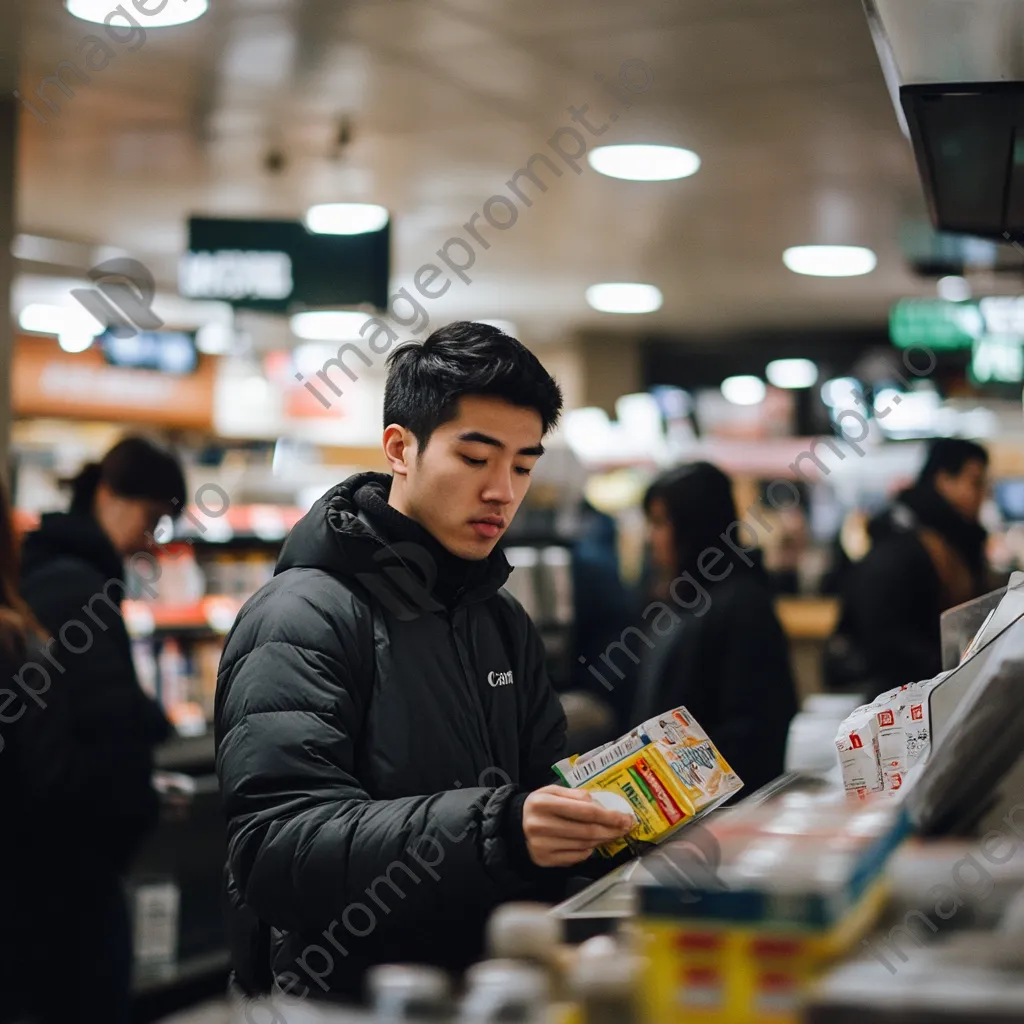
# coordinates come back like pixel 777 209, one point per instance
pixel 384 722
pixel 715 644
pixel 92 726
pixel 927 555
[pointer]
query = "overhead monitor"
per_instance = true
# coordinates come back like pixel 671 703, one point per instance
pixel 277 266
pixel 163 351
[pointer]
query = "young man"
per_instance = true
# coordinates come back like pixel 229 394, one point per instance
pixel 385 727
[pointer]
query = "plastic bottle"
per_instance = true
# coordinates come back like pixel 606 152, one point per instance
pixel 409 992
pixel 508 991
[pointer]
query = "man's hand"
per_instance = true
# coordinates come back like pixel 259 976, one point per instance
pixel 563 826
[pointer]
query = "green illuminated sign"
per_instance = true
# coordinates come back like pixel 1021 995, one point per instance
pixel 936 324
pixel 991 328
pixel 998 359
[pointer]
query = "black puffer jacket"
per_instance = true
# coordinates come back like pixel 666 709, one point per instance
pixel 372 746
pixel 99 725
pixel 893 599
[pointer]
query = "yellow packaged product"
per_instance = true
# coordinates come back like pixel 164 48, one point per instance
pixel 666 768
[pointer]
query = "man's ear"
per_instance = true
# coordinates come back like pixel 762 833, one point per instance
pixel 399 448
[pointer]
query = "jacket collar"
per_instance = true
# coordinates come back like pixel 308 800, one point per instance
pixel 347 534
pixel 74 534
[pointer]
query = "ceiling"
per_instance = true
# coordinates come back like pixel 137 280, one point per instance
pixel 783 100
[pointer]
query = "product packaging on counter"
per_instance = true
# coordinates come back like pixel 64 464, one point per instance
pixel 668 770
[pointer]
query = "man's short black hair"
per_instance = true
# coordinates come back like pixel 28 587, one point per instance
pixel 425 382
pixel 950 455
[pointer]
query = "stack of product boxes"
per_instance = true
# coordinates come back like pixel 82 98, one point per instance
pixel 782 890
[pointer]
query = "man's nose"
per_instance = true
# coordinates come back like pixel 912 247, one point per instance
pixel 499 487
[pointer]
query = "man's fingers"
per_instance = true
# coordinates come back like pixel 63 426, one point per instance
pixel 575 809
pixel 563 828
pixel 567 792
pixel 566 857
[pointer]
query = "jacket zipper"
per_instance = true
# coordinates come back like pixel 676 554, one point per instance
pixel 474 693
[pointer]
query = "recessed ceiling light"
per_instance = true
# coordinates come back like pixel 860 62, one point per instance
pixel 345 218
pixel 953 288
pixel 644 163
pixel 328 325
pixel 830 260
pixel 743 390
pixel 791 373
pixel 149 13
pixel 624 298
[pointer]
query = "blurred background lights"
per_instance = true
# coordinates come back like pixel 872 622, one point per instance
pixel 953 288
pixel 624 298
pixel 174 12
pixel 792 373
pixel 644 162
pixel 345 218
pixel 328 325
pixel 830 260
pixel 841 392
pixel 743 390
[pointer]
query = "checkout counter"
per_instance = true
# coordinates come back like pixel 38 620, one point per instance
pixel 799 903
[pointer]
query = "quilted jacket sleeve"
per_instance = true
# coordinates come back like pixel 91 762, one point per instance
pixel 305 841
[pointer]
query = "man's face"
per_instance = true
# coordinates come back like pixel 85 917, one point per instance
pixel 466 486
pixel 965 490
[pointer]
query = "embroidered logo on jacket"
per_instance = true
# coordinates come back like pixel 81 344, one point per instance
pixel 500 678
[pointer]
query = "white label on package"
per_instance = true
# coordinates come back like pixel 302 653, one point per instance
pixel 857 745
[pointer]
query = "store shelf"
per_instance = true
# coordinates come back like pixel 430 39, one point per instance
pixel 237 524
pixel 212 616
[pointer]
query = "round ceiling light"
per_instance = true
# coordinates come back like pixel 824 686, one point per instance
pixel 345 218
pixel 328 325
pixel 624 298
pixel 743 390
pixel 791 373
pixel 644 163
pixel 148 13
pixel 830 260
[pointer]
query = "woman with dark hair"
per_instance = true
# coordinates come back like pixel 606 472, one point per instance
pixel 98 728
pixel 723 653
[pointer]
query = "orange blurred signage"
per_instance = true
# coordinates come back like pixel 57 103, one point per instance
pixel 48 381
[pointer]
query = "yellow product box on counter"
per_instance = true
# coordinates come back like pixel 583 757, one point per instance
pixel 796 882
pixel 667 769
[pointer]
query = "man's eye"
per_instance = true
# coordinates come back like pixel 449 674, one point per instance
pixel 473 462
pixel 522 471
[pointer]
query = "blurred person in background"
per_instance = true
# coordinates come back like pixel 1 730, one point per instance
pixel 603 607
pixel 25 774
pixel 726 657
pixel 98 727
pixel 927 554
